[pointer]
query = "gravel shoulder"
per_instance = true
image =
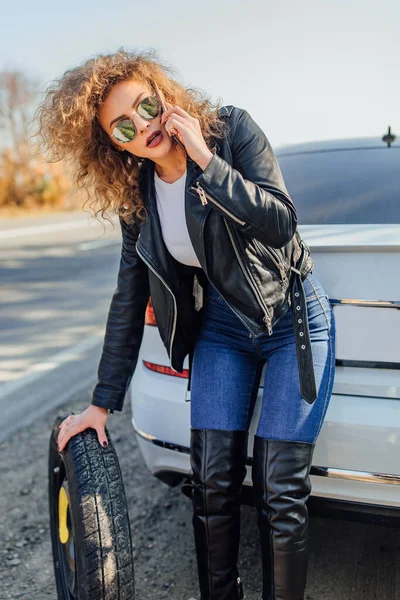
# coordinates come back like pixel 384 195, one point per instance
pixel 348 561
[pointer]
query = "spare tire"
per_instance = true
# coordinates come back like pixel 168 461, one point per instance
pixel 89 522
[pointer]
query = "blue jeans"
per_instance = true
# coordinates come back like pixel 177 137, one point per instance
pixel 228 360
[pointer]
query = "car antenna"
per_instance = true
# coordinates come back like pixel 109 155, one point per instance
pixel 389 137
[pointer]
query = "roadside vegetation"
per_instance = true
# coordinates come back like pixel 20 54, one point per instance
pixel 28 183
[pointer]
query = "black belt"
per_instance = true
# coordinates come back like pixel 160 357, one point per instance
pixel 302 336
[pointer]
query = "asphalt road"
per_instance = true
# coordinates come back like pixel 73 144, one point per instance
pixel 57 274
pixel 57 277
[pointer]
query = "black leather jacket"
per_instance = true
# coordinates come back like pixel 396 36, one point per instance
pixel 243 227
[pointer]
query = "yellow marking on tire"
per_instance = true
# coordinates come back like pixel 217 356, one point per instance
pixel 62 516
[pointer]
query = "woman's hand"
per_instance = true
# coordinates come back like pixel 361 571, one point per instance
pixel 187 129
pixel 94 417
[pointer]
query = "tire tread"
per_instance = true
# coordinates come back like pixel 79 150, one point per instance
pixel 101 503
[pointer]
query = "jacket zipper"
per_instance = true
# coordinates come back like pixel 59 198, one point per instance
pixel 274 257
pixel 175 305
pixel 240 588
pixel 204 197
pixel 265 309
pixel 222 296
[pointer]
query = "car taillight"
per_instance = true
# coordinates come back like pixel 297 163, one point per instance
pixel 150 318
pixel 165 370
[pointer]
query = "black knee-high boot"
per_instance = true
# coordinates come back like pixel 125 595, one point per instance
pixel 218 460
pixel 282 486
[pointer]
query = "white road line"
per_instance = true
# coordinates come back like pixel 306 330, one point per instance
pixel 22 231
pixel 97 244
pixel 41 369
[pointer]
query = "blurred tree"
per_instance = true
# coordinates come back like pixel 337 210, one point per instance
pixel 17 95
pixel 26 179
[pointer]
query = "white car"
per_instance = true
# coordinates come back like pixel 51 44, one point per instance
pixel 347 194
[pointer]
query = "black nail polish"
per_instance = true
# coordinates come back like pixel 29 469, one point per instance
pixel 105 444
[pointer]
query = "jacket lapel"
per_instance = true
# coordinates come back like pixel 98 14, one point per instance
pixel 151 239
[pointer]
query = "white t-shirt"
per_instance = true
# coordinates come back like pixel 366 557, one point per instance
pixel 171 210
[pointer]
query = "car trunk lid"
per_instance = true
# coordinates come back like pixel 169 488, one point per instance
pixel 359 266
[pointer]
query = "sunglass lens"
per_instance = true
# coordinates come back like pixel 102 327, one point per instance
pixel 149 108
pixel 124 131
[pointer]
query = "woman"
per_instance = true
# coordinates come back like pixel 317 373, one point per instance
pixel 210 233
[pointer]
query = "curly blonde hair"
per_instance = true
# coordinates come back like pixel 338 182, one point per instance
pixel 69 129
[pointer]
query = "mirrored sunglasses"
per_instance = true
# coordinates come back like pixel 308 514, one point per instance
pixel 124 131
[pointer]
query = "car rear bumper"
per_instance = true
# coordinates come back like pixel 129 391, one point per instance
pixel 170 464
pixel 355 459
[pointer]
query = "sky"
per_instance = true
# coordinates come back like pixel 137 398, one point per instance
pixel 304 70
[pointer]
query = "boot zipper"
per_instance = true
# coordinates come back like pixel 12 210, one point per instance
pixel 274 258
pixel 265 309
pixel 204 197
pixel 175 306
pixel 240 588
